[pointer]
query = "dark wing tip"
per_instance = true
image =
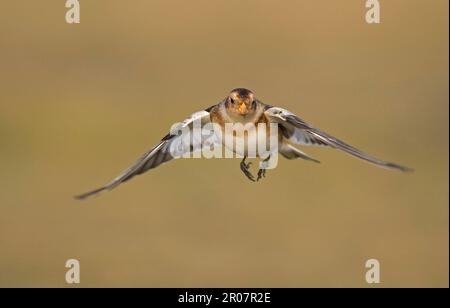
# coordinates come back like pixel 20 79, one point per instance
pixel 316 161
pixel 90 194
pixel 399 168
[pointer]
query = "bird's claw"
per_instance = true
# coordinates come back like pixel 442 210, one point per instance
pixel 261 174
pixel 245 169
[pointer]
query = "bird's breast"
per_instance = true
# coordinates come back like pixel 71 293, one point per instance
pixel 250 142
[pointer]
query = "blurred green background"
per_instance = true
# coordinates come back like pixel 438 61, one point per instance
pixel 79 103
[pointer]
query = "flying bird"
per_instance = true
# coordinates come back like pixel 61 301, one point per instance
pixel 241 106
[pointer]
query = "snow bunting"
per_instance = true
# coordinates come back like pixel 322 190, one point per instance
pixel 241 106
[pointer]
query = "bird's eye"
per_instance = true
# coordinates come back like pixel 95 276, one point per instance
pixel 231 100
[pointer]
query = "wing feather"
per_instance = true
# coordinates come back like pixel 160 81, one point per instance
pixel 299 132
pixel 170 147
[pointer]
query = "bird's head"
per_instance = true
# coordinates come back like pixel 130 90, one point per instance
pixel 241 101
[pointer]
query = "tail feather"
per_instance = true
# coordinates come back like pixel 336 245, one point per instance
pixel 291 152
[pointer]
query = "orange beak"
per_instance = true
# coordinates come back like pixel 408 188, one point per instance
pixel 242 108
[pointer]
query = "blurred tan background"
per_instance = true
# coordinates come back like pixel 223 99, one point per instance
pixel 79 103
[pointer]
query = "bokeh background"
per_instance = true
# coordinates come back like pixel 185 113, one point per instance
pixel 79 103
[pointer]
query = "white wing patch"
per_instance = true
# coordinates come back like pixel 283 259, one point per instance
pixel 299 132
pixel 293 134
pixel 170 147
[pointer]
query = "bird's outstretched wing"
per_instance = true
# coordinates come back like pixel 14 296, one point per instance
pixel 299 132
pixel 173 145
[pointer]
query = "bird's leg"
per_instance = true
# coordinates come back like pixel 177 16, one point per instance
pixel 245 169
pixel 261 174
pixel 262 170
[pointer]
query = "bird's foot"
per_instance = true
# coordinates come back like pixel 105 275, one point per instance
pixel 261 174
pixel 245 169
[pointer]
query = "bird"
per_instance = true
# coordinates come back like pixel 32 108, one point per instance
pixel 241 106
